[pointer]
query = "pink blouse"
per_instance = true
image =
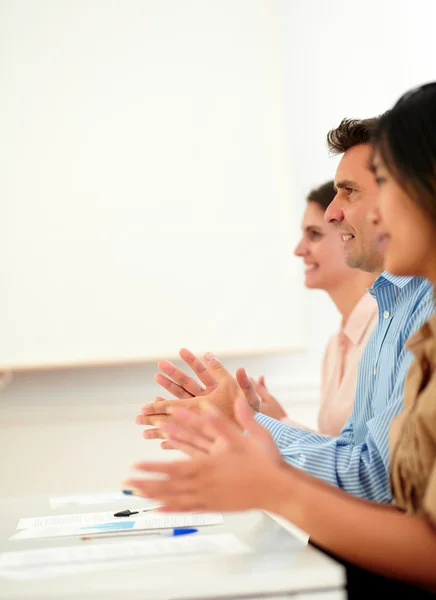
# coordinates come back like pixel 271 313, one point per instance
pixel 340 366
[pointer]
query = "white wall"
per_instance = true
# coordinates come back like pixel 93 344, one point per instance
pixel 342 59
pixel 156 167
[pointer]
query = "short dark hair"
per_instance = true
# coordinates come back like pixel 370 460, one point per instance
pixel 350 133
pixel 405 137
pixel 323 195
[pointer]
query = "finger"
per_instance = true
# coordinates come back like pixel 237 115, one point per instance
pixel 175 469
pixel 173 388
pixel 198 367
pixel 161 407
pixel 177 433
pixel 198 428
pixel 261 381
pixel 263 394
pixel 188 449
pixel 167 445
pixel 220 428
pixel 185 503
pixel 245 416
pixel 247 388
pixel 153 434
pixel 154 420
pixel 194 422
pixel 215 368
pixel 152 488
pixel 183 379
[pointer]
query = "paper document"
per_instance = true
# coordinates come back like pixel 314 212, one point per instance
pixel 34 563
pixel 94 498
pixel 97 524
pixel 79 519
pixel 226 543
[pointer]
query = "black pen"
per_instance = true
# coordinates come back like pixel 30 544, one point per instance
pixel 128 513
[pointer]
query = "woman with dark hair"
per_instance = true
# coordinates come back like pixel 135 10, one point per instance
pixel 321 249
pixel 386 548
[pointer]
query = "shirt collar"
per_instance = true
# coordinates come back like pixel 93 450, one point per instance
pixel 386 279
pixel 360 318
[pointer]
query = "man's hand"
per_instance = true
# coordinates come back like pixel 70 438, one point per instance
pixel 229 470
pixel 190 432
pixel 181 385
pixel 220 389
pixel 269 405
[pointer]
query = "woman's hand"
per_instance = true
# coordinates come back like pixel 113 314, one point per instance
pixel 269 405
pixel 229 470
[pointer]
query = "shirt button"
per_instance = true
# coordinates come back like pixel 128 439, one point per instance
pixel 386 314
pixel 375 372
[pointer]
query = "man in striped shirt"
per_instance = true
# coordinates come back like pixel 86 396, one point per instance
pixel 356 460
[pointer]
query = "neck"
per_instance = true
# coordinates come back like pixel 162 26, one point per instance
pixel 346 295
pixel 431 275
pixel 375 274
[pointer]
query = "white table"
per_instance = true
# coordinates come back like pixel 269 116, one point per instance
pixel 281 566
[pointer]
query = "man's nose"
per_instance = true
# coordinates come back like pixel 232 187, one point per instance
pixel 334 213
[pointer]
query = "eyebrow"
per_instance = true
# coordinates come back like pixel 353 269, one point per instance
pixel 345 183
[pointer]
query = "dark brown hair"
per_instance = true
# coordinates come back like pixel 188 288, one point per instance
pixel 350 133
pixel 406 140
pixel 322 195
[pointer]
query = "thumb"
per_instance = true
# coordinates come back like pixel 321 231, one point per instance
pixel 245 417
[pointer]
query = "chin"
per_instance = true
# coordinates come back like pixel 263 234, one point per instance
pixel 312 284
pixel 354 262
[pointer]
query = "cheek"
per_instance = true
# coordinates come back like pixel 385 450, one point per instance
pixel 407 250
pixel 388 204
pixel 332 250
pixel 331 258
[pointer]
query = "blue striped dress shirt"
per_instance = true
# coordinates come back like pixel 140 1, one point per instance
pixel 358 459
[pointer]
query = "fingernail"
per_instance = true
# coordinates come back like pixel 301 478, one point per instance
pixel 138 420
pixel 209 356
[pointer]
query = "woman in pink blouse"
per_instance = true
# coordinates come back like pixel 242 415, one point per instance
pixel 321 248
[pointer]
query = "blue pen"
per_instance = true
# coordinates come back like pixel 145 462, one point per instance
pixel 181 531
pixel 164 533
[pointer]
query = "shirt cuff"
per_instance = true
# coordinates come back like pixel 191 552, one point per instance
pixel 276 428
